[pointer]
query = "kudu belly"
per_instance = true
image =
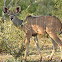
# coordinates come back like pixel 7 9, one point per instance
pixel 36 29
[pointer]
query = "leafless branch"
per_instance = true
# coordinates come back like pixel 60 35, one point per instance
pixel 10 3
pixel 31 4
pixel 18 2
pixel 4 2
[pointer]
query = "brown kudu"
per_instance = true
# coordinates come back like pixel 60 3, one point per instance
pixel 38 25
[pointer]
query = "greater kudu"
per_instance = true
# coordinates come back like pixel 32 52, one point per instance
pixel 38 25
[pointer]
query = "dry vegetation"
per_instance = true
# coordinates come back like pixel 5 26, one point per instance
pixel 12 38
pixel 46 49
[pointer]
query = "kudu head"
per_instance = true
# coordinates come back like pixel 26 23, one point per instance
pixel 7 10
pixel 12 13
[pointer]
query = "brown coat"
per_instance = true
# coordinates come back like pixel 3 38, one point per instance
pixel 42 24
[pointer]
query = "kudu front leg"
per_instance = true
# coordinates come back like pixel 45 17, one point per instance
pixel 54 49
pixel 26 47
pixel 57 40
pixel 37 44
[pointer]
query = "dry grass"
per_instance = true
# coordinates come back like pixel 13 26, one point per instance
pixel 46 49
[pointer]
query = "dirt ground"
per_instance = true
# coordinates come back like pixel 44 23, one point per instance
pixel 46 49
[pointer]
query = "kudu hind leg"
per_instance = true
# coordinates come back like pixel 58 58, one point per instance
pixel 57 40
pixel 61 52
pixel 54 49
pixel 37 44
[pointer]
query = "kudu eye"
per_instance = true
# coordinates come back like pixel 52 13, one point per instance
pixel 11 18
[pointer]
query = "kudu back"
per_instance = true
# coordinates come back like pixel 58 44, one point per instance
pixel 38 25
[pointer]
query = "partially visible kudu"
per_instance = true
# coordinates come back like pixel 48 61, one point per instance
pixel 38 25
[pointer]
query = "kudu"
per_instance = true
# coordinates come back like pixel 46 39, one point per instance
pixel 38 25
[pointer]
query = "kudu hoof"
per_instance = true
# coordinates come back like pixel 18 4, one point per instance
pixel 40 59
pixel 24 59
pixel 48 58
pixel 61 60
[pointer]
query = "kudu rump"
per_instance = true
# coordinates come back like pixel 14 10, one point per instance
pixel 38 25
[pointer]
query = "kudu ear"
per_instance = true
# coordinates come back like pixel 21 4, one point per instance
pixel 18 9
pixel 5 9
